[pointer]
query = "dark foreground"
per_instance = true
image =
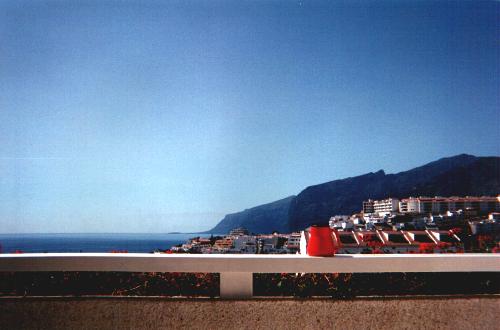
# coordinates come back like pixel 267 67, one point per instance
pixel 207 285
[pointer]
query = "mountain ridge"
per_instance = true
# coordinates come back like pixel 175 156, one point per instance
pixel 458 175
pixel 260 216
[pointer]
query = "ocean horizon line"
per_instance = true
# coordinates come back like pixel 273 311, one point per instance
pixel 109 233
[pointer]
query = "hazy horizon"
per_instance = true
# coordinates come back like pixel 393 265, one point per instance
pixel 161 117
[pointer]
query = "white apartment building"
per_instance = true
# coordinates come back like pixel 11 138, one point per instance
pixel 293 243
pixel 386 206
pixel 238 231
pixel 245 244
pixel 368 206
pixel 441 205
pixel 409 205
pixel 337 220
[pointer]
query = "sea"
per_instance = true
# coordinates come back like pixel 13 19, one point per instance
pixel 40 243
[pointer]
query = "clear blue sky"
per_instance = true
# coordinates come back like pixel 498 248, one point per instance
pixel 130 117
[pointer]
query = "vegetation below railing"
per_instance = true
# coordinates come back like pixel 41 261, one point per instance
pixel 375 284
pixel 207 284
pixel 108 284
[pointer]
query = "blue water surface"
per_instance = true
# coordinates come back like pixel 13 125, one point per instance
pixel 90 242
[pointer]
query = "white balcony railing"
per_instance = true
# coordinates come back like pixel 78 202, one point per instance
pixel 236 270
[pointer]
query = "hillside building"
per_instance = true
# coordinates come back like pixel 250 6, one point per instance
pixel 368 206
pixel 386 206
pixel 441 205
pixel 240 231
pixel 293 243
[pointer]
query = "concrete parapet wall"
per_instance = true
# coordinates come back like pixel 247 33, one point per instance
pixel 361 313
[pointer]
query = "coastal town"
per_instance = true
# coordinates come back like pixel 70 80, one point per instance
pixel 409 225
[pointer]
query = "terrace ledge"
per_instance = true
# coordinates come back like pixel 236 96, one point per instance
pixel 236 270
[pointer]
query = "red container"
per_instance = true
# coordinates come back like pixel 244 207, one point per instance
pixel 321 242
